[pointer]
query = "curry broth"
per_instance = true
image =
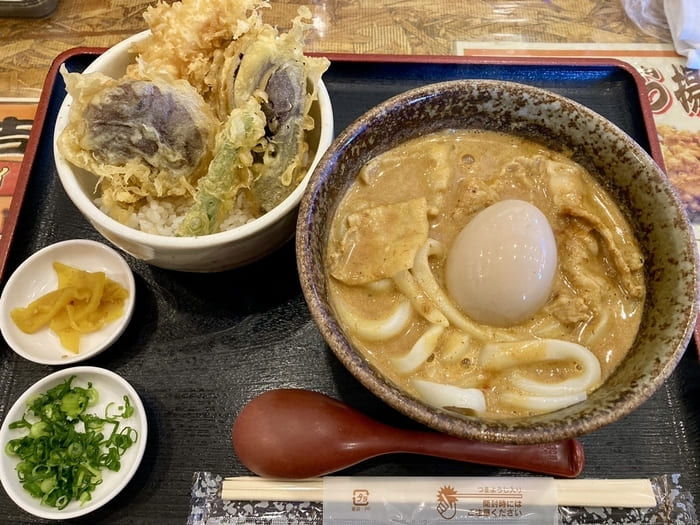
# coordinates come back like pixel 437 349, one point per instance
pixel 598 291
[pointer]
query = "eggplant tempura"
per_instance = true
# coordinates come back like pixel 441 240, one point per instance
pixel 207 129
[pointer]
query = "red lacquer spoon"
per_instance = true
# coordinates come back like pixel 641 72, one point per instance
pixel 295 434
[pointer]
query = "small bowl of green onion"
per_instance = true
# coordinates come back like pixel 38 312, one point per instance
pixel 106 422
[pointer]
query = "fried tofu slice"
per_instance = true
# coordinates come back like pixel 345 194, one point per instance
pixel 380 241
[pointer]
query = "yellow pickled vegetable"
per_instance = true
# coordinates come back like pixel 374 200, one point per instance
pixel 84 302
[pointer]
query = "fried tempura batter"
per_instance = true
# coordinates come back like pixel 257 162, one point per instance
pixel 151 135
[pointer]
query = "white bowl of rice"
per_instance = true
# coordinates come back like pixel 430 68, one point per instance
pixel 151 236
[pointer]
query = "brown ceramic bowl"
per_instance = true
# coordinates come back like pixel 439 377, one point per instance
pixel 623 167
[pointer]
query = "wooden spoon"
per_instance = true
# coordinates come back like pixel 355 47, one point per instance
pixel 295 434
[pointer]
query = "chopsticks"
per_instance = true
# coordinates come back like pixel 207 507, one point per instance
pixel 252 488
pixel 631 493
pixel 627 493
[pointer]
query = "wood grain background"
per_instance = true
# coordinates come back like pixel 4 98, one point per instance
pixel 28 46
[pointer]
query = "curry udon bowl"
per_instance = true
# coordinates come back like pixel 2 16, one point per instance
pixel 636 184
pixel 204 253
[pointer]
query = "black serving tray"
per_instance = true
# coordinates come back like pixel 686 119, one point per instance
pixel 202 345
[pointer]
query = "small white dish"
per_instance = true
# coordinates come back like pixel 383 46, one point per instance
pixel 36 277
pixel 111 388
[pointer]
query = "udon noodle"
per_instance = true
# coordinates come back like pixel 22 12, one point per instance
pixel 387 252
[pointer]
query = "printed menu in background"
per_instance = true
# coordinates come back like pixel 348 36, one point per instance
pixel 16 117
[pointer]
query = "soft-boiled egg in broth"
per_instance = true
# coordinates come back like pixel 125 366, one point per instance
pixel 476 266
pixel 501 266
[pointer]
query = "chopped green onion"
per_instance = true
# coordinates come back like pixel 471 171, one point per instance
pixel 59 463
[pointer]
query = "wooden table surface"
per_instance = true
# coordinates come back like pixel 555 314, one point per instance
pixel 28 46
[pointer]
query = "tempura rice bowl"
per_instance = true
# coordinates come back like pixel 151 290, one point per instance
pixel 207 253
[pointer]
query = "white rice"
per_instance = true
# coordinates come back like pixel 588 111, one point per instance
pixel 159 217
pixel 163 217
